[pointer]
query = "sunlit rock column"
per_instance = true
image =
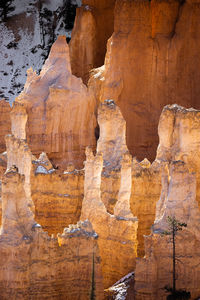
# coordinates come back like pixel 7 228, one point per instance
pixel 117 234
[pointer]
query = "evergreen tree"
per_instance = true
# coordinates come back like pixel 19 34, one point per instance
pixel 5 8
pixel 174 226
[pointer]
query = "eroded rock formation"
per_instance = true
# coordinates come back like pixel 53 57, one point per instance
pixel 115 232
pixel 36 266
pixel 178 153
pixel 61 111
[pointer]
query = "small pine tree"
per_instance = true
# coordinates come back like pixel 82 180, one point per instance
pixel 5 8
pixel 174 226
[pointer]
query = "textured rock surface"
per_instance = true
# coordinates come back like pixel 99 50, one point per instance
pixel 146 189
pixel 39 267
pixel 118 230
pixel 178 199
pixel 61 112
pixel 57 199
pixel 180 138
pixel 152 60
pixel 94 24
pixel 117 234
pixel 5 123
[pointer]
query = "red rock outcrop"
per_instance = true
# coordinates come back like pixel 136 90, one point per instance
pixel 152 60
pixel 5 123
pixel 94 24
pixel 61 111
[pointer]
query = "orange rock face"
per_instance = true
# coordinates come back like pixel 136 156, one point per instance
pixel 152 60
pixel 61 112
pixel 94 24
pixel 146 189
pixel 57 199
pixel 5 123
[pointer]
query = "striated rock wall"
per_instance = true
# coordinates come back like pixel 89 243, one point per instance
pixel 57 199
pixel 94 24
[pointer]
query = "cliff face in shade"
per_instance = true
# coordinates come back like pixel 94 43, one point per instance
pixel 94 24
pixel 179 200
pixel 54 101
pixel 5 123
pixel 152 60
